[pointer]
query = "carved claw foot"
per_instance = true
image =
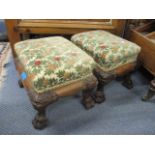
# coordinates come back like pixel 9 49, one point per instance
pixel 127 82
pixel 151 91
pixel 20 84
pixel 40 121
pixel 39 124
pixel 99 97
pixel 88 102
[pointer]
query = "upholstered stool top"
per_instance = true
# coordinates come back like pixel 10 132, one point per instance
pixel 52 62
pixel 108 50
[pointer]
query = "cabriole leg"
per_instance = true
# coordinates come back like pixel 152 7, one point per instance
pixel 99 96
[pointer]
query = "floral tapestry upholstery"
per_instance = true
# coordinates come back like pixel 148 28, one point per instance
pixel 108 50
pixel 52 62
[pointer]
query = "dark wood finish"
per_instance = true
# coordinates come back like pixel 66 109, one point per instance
pixel 40 121
pixel 87 99
pixel 20 83
pixel 41 101
pixel 127 82
pixel 105 77
pixel 145 37
pixel 87 93
pixel 99 95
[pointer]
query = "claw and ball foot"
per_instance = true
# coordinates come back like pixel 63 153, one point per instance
pixel 40 121
pixel 87 99
pixel 88 102
pixel 127 82
pixel 99 96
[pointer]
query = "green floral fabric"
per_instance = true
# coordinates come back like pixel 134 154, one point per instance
pixel 52 62
pixel 108 50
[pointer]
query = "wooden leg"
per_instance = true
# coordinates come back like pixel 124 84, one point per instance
pixel 40 120
pixel 103 78
pixel 127 82
pixel 20 83
pixel 87 99
pixel 151 91
pixel 99 96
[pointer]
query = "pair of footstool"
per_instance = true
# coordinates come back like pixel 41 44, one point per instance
pixel 54 67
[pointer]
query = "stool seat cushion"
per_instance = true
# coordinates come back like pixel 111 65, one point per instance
pixel 108 50
pixel 52 62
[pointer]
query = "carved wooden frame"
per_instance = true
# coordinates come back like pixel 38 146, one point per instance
pixel 41 101
pixel 105 77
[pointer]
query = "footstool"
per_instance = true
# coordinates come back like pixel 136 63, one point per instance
pixel 115 57
pixel 51 68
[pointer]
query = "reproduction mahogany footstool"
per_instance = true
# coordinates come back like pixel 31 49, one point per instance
pixel 115 57
pixel 51 68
